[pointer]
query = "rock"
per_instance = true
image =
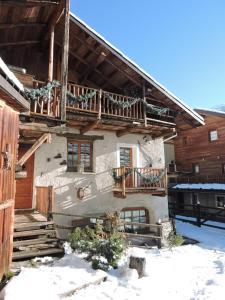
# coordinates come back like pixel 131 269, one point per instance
pixel 139 264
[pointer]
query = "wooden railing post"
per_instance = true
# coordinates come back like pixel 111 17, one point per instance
pixel 100 105
pixel 123 182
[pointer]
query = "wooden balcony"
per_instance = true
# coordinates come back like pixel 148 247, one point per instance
pixel 139 180
pixel 98 105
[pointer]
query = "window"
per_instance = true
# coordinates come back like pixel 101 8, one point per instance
pixel 220 201
pixel 213 136
pixel 194 199
pixel 134 215
pixel 196 168
pixel 80 156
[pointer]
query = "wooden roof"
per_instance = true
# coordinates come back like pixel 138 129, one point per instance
pixel 11 90
pixel 24 31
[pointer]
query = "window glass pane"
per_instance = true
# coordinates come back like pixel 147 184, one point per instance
pixel 142 220
pixel 142 213
pixel 128 213
pixel 85 158
pixel 136 213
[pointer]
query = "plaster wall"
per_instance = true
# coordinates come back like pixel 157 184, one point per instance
pixel 98 196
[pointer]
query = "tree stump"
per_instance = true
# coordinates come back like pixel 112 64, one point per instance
pixel 138 263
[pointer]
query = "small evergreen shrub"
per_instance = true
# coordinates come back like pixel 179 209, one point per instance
pixel 102 252
pixel 175 240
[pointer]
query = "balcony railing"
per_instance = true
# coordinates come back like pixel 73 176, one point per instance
pixel 139 180
pixel 48 105
pixel 96 101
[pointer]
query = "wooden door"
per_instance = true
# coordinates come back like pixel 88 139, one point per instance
pixel 24 186
pixel 126 161
pixel 9 125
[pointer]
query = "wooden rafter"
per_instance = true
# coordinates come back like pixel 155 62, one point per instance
pixel 65 54
pixel 55 18
pixel 16 25
pixel 101 57
pixel 108 61
pixel 36 145
pixel 29 3
pixel 20 43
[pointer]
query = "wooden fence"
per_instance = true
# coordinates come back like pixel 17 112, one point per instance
pixel 6 235
pixel 154 233
pixel 45 200
pixel 197 214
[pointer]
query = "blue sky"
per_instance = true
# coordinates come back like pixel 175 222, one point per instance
pixel 179 42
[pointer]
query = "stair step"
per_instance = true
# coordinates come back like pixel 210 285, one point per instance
pixel 34 242
pixel 33 232
pixel 29 254
pixel 31 225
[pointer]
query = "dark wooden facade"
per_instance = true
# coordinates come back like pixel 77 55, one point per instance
pixel 203 147
pixel 195 147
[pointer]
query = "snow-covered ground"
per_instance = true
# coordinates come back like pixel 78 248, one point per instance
pixel 183 273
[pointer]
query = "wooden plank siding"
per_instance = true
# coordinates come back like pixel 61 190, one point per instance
pixel 8 152
pixel 44 199
pixel 194 147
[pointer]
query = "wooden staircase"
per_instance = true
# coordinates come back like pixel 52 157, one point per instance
pixel 34 236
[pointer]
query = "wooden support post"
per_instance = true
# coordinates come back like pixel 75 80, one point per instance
pixel 144 98
pixel 123 182
pixel 65 54
pixel 51 54
pixel 100 105
pixel 159 229
pixel 198 215
pixel 35 146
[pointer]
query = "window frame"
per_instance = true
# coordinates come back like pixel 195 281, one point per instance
pixel 210 137
pixel 79 142
pixel 139 229
pixel 216 199
pixel 223 168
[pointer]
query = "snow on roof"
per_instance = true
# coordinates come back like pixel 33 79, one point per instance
pixel 210 111
pixel 138 69
pixel 10 75
pixel 200 186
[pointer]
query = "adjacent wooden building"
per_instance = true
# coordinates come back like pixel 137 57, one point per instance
pixel 200 167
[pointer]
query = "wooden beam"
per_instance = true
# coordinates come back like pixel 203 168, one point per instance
pixel 108 60
pixel 16 25
pixel 144 99
pixel 55 17
pixel 108 80
pixel 122 132
pixel 36 145
pixel 21 43
pixel 58 130
pixel 51 54
pixel 65 54
pixel 89 127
